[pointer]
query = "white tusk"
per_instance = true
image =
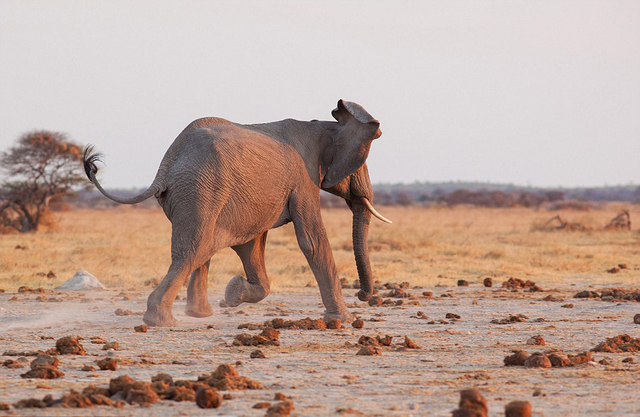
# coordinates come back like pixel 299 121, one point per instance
pixel 375 212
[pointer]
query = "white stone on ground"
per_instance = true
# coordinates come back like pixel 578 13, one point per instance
pixel 82 280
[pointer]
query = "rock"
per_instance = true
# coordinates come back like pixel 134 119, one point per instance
pixel 536 341
pixel 511 319
pixel 517 283
pixel 369 351
pixel 111 346
pixel 619 344
pixel 463 283
pixel 76 400
pixel 261 405
pixel 636 319
pixel 537 360
pixel 613 270
pixel 141 393
pixel 122 383
pixel 11 364
pixel 82 281
pixel 226 378
pixel 141 329
pixel 69 346
pixel 359 324
pixel 567 305
pixel 208 398
pixel 384 341
pixel 467 412
pixel 452 316
pixel 278 396
pixel 472 399
pixel 4 407
pixel 587 294
pixel 334 324
pixel 487 282
pixel 302 324
pixel 427 294
pixel 43 372
pixel 123 312
pixel 45 360
pixel 581 358
pixel 283 408
pixel 88 368
pixel 375 301
pixel 558 361
pixel 107 364
pixel 410 344
pixel 257 354
pixel 518 409
pixel 517 359
pixel 30 403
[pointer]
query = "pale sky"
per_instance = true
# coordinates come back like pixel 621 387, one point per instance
pixel 545 93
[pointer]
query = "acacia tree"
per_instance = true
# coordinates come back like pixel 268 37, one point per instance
pixel 43 165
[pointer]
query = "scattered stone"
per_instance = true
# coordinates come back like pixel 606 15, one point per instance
pixel 613 270
pixel 107 364
pixel 511 319
pixel 538 393
pixel 567 305
pixel 369 351
pixel 278 396
pixel 141 393
pixel 334 324
pixel 283 408
pixel 303 324
pixel 111 346
pixel 257 354
pixel 536 341
pixel 553 298
pixel 587 294
pixel 384 341
pixel 517 283
pixel 4 407
pixel 141 329
pixel 88 368
pixel 43 372
pixel 452 316
pixel 11 364
pixel 123 312
pixel 518 409
pixel 69 346
pixel 261 405
pixel 488 282
pixel 268 337
pixel 208 398
pixel 558 361
pixel 375 301
pixel 472 403
pixel 226 378
pixel 537 360
pixel 82 281
pixel 359 324
pixel 636 319
pixel 427 294
pixel 45 360
pixel 463 283
pixel 619 344
pixel 98 340
pixel 410 344
pixel 628 360
pixel 517 359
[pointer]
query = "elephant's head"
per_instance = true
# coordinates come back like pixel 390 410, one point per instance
pixel 346 175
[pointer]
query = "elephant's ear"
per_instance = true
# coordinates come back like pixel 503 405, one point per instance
pixel 351 141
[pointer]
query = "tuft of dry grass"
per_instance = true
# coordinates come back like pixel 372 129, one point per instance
pixel 128 246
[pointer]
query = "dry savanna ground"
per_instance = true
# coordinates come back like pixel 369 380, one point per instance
pixel 431 249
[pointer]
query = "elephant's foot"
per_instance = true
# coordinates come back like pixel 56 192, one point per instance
pixel 154 318
pixel 343 315
pixel 239 291
pixel 199 311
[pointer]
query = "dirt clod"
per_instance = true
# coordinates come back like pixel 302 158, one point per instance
pixel 268 337
pixel 518 318
pixel 452 316
pixel 69 346
pixel 226 378
pixel 463 283
pixel 517 284
pixel 43 372
pixel 619 344
pixel 257 354
pixel 369 351
pixel 518 358
pixel 536 341
pixel 283 408
pixel 111 346
pixel 537 360
pixel 636 319
pixel 410 344
pixel 107 364
pixel 518 409
pixel 487 282
pixel 208 398
pixel 123 312
pixel 261 405
pixel 375 301
pixel 141 329
pixel 334 324
pixel 359 323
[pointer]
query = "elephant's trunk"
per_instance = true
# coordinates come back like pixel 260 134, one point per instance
pixel 361 219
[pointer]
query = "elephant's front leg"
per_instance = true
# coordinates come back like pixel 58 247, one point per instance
pixel 197 300
pixel 314 243
pixel 256 287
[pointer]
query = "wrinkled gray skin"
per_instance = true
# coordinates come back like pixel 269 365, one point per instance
pixel 223 184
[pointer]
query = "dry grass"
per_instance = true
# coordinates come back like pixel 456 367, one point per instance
pixel 127 246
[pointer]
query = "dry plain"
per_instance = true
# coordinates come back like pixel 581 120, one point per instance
pixel 431 249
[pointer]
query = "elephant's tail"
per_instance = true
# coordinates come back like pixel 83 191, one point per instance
pixel 89 159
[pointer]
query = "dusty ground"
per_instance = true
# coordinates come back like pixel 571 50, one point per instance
pixel 128 249
pixel 319 369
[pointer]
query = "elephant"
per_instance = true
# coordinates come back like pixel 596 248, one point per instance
pixel 223 184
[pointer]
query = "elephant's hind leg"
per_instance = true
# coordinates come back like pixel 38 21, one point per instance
pixel 197 301
pixel 256 287
pixel 161 299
